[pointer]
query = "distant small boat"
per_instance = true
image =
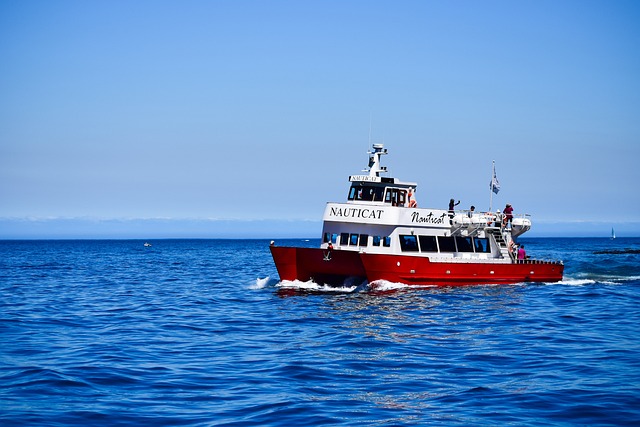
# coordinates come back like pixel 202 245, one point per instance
pixel 147 245
pixel 613 234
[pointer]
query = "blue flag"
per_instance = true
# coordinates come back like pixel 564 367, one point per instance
pixel 494 184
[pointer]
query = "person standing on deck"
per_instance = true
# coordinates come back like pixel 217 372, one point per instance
pixel 452 204
pixel 508 215
pixel 522 254
pixel 472 211
pixel 411 199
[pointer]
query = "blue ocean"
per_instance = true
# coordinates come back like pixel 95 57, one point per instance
pixel 202 333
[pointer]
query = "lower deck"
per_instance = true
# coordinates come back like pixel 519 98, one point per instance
pixel 486 244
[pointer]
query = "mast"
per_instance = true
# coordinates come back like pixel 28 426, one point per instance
pixel 374 160
pixel 494 186
pixel 493 173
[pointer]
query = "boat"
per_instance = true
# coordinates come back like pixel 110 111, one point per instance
pixel 613 234
pixel 380 233
pixel 147 245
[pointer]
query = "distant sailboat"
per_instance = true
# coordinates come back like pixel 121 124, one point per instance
pixel 613 234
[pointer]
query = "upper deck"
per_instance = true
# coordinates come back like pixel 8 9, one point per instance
pixel 386 207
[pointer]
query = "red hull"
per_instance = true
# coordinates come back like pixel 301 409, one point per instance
pixel 421 271
pixel 313 264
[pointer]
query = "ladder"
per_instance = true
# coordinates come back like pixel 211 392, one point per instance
pixel 502 244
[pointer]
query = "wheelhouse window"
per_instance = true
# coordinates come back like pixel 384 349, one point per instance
pixel 446 244
pixel 408 243
pixel 428 244
pixel 395 197
pixel 366 192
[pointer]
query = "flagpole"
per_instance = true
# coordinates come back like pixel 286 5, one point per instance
pixel 493 173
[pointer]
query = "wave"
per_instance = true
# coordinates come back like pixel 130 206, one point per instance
pixel 575 282
pixel 383 286
pixel 617 251
pixel 349 286
pixel 315 287
pixel 598 279
pixel 263 283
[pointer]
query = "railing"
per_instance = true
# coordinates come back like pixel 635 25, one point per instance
pixel 538 261
pixel 496 217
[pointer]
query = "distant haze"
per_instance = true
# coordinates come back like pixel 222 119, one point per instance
pixel 256 112
pixel 234 229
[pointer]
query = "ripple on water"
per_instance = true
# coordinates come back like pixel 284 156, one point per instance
pixel 203 333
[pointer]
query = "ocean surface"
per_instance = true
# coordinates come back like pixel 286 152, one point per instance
pixel 202 333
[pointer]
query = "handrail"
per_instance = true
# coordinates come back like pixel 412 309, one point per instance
pixel 538 261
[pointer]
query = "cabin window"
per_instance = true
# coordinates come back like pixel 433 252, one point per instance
pixel 428 244
pixel 366 192
pixel 446 244
pixel 353 239
pixel 352 193
pixel 344 238
pixel 364 239
pixel 395 196
pixel 482 245
pixel 327 237
pixel 464 244
pixel 408 243
pixel 386 241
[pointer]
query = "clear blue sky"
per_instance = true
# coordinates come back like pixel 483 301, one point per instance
pixel 246 110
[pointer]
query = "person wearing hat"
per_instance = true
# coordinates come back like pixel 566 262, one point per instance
pixel 508 215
